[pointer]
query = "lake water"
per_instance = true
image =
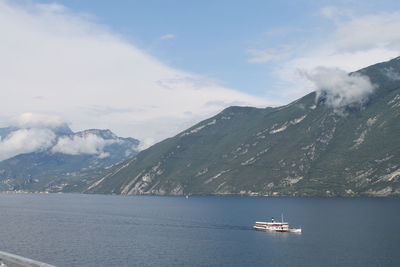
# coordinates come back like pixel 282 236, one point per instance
pixel 96 230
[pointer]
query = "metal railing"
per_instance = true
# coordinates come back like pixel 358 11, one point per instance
pixel 21 261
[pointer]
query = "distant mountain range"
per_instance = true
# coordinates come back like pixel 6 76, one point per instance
pixel 319 145
pixel 67 162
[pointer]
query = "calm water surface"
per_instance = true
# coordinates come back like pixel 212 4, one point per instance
pixel 96 230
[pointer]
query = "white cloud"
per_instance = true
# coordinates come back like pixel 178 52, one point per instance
pixel 260 56
pixel 145 143
pixel 357 41
pixel 339 88
pixel 86 144
pixel 69 64
pixel 33 120
pixel 368 32
pixel 336 14
pixel 37 132
pixel 25 141
pixel 167 36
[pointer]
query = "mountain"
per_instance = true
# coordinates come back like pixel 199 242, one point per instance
pixel 306 148
pixel 68 163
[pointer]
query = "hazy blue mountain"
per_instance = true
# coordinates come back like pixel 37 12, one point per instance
pixel 49 170
pixel 304 148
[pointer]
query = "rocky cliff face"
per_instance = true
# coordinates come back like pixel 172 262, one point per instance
pixel 305 148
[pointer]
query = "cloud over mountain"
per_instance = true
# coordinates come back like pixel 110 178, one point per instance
pixel 25 141
pixel 86 144
pixel 339 88
pixel 33 132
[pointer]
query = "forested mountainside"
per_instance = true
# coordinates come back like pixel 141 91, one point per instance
pixel 306 148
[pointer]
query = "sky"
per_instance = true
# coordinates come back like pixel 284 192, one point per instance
pixel 150 69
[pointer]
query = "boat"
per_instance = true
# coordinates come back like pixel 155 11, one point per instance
pixel 275 226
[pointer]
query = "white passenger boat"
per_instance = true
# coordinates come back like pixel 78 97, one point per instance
pixel 276 226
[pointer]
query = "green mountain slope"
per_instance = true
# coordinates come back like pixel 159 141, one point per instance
pixel 304 148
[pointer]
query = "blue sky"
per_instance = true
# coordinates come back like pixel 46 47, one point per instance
pixel 212 38
pixel 149 69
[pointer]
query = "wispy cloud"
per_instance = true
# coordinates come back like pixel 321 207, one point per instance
pixel 336 14
pixel 74 63
pixel 368 32
pixel 356 41
pixel 262 56
pixel 167 36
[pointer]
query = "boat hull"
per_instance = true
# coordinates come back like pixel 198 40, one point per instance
pixel 275 227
